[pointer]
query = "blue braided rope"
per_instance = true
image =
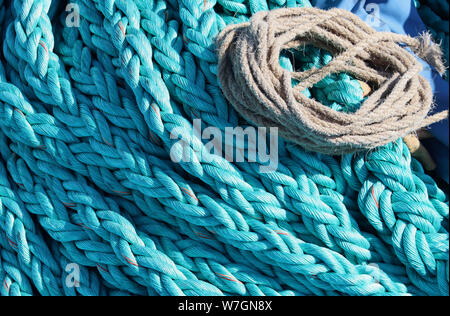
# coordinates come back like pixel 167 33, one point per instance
pixel 434 14
pixel 13 281
pixel 442 280
pixel 247 191
pixel 104 266
pixel 36 260
pixel 96 136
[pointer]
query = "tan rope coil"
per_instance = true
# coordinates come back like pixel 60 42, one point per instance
pixel 260 89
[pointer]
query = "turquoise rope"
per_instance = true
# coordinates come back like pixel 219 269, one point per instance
pixel 394 204
pixel 13 281
pixel 24 239
pixel 96 135
pixel 36 260
pixel 107 269
pixel 443 253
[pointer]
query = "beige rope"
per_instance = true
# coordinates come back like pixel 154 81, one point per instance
pixel 260 89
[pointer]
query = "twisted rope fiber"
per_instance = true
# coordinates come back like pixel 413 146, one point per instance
pixel 73 229
pixel 353 241
pixel 205 57
pixel 189 33
pixel 357 250
pixel 435 15
pixel 33 255
pixel 38 263
pixel 47 165
pixel 256 85
pixel 14 280
pixel 28 251
pixel 257 285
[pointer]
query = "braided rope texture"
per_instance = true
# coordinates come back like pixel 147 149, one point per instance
pixel 88 178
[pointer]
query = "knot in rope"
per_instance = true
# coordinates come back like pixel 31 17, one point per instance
pixel 262 91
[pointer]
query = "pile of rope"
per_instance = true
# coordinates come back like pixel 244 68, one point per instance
pixel 92 202
pixel 435 15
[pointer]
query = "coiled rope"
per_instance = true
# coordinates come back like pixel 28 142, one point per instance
pixel 261 90
pixel 87 157
pixel 434 14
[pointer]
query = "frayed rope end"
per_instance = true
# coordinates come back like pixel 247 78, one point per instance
pixel 431 52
